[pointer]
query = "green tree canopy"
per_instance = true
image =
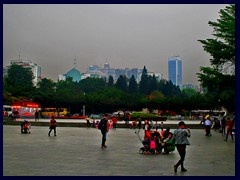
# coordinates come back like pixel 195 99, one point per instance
pixel 110 82
pixel 133 86
pixel 220 78
pixel 19 81
pixel 144 83
pixel 45 92
pixel 92 84
pixel 122 83
pixel 222 47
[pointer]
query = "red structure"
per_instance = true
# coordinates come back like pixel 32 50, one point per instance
pixel 25 108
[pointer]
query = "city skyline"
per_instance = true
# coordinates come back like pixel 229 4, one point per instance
pixel 124 35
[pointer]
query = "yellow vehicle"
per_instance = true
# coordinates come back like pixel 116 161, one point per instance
pixel 54 112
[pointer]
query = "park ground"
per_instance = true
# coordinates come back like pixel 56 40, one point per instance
pixel 75 151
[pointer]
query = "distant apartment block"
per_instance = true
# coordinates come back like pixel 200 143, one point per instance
pixel 191 86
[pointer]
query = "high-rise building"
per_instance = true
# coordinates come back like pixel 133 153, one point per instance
pixel 175 70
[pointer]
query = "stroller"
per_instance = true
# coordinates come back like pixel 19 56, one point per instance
pixel 148 146
pixel 25 127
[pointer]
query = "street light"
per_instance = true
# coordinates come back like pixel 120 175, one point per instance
pixel 219 106
pixel 84 105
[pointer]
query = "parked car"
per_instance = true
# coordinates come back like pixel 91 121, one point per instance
pixel 95 116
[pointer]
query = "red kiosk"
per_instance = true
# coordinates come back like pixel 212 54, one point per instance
pixel 25 109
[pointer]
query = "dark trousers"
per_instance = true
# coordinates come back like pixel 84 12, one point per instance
pixel 53 128
pixel 88 124
pixel 223 130
pixel 208 130
pixel 182 152
pixel 104 137
pixel 229 131
pixel 114 125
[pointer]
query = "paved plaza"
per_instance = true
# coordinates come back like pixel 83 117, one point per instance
pixel 75 151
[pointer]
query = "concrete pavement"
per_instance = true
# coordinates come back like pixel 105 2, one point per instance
pixel 76 151
pixel 193 124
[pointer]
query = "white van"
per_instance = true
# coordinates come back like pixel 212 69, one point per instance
pixel 8 109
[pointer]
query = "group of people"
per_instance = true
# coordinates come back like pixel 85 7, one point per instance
pixel 162 139
pixel 178 138
pixel 112 123
pixel 166 139
pixel 225 126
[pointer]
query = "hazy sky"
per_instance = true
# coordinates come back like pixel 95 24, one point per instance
pixel 130 36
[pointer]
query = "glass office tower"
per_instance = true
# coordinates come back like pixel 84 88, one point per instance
pixel 175 70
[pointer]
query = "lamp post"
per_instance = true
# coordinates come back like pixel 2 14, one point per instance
pixel 84 105
pixel 219 107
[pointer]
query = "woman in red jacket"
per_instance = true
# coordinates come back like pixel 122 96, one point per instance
pixel 229 126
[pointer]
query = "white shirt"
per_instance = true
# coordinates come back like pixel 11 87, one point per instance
pixel 207 123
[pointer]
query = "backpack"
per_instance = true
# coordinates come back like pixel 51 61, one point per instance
pixel 152 144
pixel 102 124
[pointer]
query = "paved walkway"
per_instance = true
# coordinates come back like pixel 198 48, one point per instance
pixel 193 124
pixel 120 122
pixel 76 152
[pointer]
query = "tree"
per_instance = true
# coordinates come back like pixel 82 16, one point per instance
pixel 68 94
pixel 144 83
pixel 152 83
pixel 188 92
pixel 19 81
pixel 110 81
pixel 220 78
pixel 133 86
pixel 92 84
pixel 121 83
pixel 45 93
pixel 222 47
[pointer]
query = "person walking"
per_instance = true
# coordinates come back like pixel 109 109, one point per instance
pixel 88 122
pixel 114 120
pixel 229 128
pixel 208 125
pixel 36 115
pixel 104 126
pixel 161 126
pixel 156 125
pixel 53 125
pixel 180 139
pixel 93 124
pixel 223 125
pixel 140 122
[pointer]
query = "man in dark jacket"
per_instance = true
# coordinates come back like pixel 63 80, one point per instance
pixel 104 127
